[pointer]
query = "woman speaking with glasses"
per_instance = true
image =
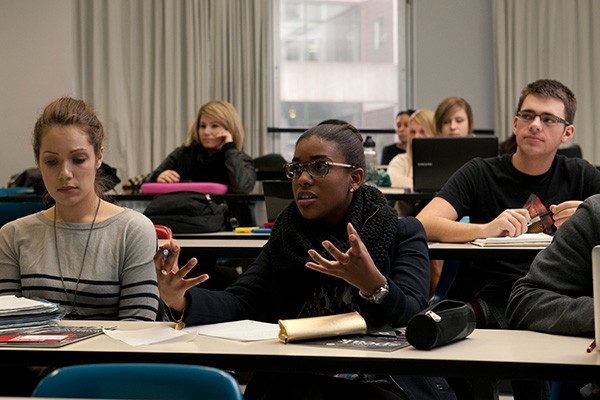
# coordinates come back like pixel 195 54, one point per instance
pixel 337 248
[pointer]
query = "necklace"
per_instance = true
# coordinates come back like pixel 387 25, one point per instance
pixel 73 314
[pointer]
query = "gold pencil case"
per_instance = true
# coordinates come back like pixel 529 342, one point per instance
pixel 291 330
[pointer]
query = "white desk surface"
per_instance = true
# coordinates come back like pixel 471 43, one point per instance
pixel 485 353
pixel 485 356
pixel 231 239
pixel 250 244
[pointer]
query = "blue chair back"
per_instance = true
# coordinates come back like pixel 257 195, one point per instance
pixel 12 210
pixel 139 381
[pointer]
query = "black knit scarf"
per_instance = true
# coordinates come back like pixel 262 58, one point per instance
pixel 292 235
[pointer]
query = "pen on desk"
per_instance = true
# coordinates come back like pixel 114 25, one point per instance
pixel 591 347
pixel 538 218
pixel 245 229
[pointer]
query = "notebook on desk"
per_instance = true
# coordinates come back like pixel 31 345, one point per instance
pixel 436 159
pixel 278 195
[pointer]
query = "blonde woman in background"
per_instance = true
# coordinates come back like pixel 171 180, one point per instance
pixel 454 117
pixel 421 124
pixel 211 152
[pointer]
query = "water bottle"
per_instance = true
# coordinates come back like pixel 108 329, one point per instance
pixel 371 175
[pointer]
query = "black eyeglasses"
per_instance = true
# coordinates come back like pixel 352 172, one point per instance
pixel 546 118
pixel 316 169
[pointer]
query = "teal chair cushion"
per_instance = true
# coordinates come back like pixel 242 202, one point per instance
pixel 10 210
pixel 139 381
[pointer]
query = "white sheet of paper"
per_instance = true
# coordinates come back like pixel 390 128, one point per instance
pixel 12 302
pixel 244 330
pixel 526 239
pixel 160 334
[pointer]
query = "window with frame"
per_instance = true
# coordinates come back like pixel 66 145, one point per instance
pixel 337 59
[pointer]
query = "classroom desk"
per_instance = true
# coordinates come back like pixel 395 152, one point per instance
pixel 468 251
pixel 486 356
pixel 390 193
pixel 236 248
pixel 254 201
pixel 250 244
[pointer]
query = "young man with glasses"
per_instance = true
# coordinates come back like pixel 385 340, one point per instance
pixel 502 194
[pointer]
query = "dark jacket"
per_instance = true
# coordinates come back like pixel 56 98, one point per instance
pixel 228 166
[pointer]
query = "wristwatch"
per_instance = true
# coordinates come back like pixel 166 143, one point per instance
pixel 378 295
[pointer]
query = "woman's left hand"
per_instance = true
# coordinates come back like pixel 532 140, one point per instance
pixel 226 137
pixel 355 266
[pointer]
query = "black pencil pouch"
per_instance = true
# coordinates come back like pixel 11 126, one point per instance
pixel 439 324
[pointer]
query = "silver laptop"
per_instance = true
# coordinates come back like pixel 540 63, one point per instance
pixel 278 195
pixel 436 159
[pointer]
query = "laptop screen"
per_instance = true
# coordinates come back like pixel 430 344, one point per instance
pixel 278 195
pixel 436 159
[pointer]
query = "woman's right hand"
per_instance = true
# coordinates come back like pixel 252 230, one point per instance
pixel 172 283
pixel 168 176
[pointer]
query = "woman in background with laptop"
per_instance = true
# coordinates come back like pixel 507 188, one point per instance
pixel 420 124
pixel 338 247
pixel 211 152
pixel 454 117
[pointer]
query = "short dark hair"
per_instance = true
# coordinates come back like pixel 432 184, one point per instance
pixel 549 88
pixel 333 121
pixel 408 112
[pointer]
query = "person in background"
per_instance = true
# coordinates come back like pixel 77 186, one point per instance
pixel 337 248
pixel 454 117
pixel 402 137
pixel 508 146
pixel 91 257
pixel 211 152
pixel 420 124
pixel 502 194
pixel 556 296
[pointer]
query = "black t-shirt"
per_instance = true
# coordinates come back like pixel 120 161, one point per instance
pixel 483 188
pixel 389 152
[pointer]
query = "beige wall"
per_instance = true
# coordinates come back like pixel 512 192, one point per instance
pixel 36 66
pixel 453 55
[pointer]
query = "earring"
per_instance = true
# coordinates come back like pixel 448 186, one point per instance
pixel 351 190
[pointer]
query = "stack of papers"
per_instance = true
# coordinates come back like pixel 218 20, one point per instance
pixel 525 240
pixel 35 323
pixel 19 312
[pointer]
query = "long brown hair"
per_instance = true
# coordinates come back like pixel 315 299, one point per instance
pixel 67 111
